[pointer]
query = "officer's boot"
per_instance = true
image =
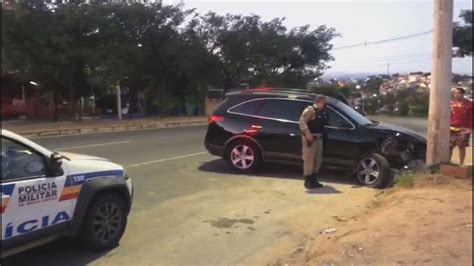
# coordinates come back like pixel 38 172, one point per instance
pixel 314 180
pixel 308 182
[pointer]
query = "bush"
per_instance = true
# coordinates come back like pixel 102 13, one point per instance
pixel 418 111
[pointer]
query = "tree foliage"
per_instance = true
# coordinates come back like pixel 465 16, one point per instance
pixel 172 53
pixel 264 53
pixel 462 35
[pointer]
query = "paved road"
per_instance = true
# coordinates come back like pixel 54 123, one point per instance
pixel 151 157
pixel 191 209
pixel 419 125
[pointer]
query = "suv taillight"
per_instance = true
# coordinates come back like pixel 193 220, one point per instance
pixel 215 118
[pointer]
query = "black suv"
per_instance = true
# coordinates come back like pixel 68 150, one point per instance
pixel 251 127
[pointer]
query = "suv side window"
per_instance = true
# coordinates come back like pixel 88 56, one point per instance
pixel 247 108
pixel 289 110
pixel 336 120
pixel 19 161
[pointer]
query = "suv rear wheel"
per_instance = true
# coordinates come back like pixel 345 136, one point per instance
pixel 244 156
pixel 104 223
pixel 374 171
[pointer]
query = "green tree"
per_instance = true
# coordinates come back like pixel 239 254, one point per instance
pixel 50 45
pixel 78 49
pixel 75 49
pixel 308 53
pixel 389 99
pixel 34 47
pixel 462 35
pixel 264 53
pixel 372 84
pixel 174 61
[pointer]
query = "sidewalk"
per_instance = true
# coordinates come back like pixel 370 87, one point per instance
pixel 468 160
pixel 38 129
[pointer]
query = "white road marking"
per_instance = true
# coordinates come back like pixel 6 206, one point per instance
pixel 165 160
pixel 94 145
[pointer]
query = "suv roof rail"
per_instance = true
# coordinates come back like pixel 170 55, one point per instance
pixel 278 89
pixel 267 90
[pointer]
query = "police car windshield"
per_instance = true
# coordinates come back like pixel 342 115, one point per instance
pixel 357 117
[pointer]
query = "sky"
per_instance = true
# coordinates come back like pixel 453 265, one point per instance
pixel 358 22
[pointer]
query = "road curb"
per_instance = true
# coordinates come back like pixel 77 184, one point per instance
pixel 113 128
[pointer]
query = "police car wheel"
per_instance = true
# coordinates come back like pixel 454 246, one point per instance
pixel 244 156
pixel 104 223
pixel 374 171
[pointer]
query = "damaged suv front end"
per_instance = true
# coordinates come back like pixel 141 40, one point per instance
pixel 403 148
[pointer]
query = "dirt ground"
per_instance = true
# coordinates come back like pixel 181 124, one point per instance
pixel 428 224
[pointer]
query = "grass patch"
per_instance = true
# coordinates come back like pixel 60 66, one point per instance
pixel 405 179
pixel 425 179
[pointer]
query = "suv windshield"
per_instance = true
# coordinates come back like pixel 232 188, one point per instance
pixel 357 117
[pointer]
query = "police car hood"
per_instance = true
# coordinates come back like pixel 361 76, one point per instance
pixel 83 157
pixel 80 163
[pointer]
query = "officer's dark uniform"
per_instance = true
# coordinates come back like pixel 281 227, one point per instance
pixel 313 121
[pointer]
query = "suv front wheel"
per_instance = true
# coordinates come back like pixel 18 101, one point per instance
pixel 374 171
pixel 244 156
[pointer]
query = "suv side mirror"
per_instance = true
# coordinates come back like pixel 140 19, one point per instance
pixel 54 164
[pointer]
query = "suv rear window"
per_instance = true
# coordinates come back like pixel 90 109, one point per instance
pixel 283 109
pixel 247 108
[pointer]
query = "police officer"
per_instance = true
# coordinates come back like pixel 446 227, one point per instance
pixel 312 124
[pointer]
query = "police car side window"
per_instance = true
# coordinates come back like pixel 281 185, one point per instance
pixel 19 161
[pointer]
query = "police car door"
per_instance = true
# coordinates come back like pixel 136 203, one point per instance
pixel 31 202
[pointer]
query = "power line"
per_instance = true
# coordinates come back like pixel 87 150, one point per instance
pixel 384 41
pixel 395 57
pixel 385 65
pixel 391 58
pixel 412 61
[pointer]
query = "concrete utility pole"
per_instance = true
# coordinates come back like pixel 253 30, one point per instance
pixel 440 94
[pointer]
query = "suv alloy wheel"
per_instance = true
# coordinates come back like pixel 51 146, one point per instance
pixel 244 156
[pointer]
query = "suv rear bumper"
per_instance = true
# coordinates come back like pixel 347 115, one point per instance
pixel 215 149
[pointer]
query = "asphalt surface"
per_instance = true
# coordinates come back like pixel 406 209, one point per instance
pixel 151 157
pixel 190 208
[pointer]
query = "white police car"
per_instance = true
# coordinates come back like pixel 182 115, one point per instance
pixel 47 195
